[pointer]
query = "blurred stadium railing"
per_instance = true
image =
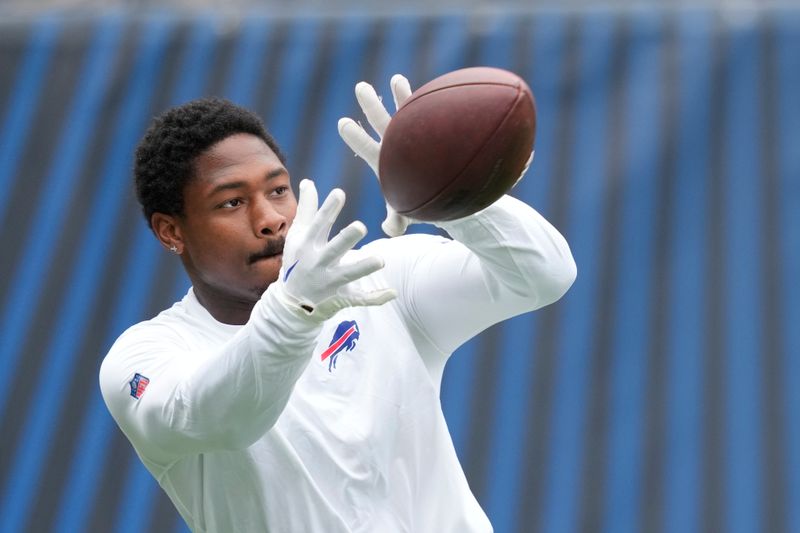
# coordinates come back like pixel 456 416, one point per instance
pixel 657 396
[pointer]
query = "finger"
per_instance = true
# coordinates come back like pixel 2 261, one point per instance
pixel 360 142
pixel 373 108
pixel 378 297
pixel 401 90
pixel 343 242
pixel 326 216
pixel 345 273
pixel 307 202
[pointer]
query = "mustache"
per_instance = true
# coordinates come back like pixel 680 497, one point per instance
pixel 273 247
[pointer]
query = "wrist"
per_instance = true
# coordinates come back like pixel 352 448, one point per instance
pixel 476 219
pixel 305 311
pixel 291 312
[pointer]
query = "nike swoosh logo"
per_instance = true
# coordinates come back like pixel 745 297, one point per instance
pixel 289 271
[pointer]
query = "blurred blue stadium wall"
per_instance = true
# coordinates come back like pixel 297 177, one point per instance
pixel 659 395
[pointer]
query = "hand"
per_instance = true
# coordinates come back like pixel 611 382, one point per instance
pixel 312 277
pixel 368 148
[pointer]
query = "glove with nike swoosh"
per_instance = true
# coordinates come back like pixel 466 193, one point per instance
pixel 313 278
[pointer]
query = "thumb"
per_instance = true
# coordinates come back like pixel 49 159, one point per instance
pixel 377 297
pixel 395 224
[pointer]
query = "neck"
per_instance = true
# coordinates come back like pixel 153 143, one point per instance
pixel 224 308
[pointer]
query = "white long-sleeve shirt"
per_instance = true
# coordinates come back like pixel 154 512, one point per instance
pixel 285 425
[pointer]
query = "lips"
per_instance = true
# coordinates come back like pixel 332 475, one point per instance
pixel 264 258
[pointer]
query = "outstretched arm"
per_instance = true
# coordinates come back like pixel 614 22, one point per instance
pixel 504 260
pixel 227 399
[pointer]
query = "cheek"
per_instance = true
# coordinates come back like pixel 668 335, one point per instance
pixel 288 208
pixel 289 212
pixel 215 243
pixel 218 231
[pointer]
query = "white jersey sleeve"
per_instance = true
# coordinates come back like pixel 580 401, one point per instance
pixel 189 402
pixel 504 261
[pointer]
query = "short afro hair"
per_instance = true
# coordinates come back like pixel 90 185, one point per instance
pixel 165 156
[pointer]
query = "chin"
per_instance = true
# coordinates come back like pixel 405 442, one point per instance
pixel 264 273
pixel 260 288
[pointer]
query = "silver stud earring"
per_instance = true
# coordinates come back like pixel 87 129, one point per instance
pixel 173 249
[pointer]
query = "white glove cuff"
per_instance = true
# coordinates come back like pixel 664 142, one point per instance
pixel 297 308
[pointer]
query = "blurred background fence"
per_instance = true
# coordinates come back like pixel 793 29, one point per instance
pixel 658 395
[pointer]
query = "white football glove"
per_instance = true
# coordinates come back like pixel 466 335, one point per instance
pixel 368 148
pixel 313 277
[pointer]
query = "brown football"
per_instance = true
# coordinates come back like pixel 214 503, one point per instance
pixel 457 144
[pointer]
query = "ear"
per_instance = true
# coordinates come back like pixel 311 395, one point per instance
pixel 168 231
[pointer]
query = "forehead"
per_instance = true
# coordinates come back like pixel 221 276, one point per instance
pixel 237 155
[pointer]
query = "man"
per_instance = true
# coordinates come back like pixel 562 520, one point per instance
pixel 296 386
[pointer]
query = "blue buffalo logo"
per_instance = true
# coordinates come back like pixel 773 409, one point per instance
pixel 344 338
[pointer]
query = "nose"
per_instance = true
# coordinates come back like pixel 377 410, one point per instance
pixel 267 220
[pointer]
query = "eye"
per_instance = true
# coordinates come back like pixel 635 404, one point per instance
pixel 280 191
pixel 233 202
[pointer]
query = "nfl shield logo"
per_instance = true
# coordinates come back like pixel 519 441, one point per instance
pixel 138 385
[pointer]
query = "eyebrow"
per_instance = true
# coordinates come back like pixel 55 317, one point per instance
pixel 240 184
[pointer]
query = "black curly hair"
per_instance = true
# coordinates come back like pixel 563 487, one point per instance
pixel 166 154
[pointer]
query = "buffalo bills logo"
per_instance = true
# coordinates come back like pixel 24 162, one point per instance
pixel 344 338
